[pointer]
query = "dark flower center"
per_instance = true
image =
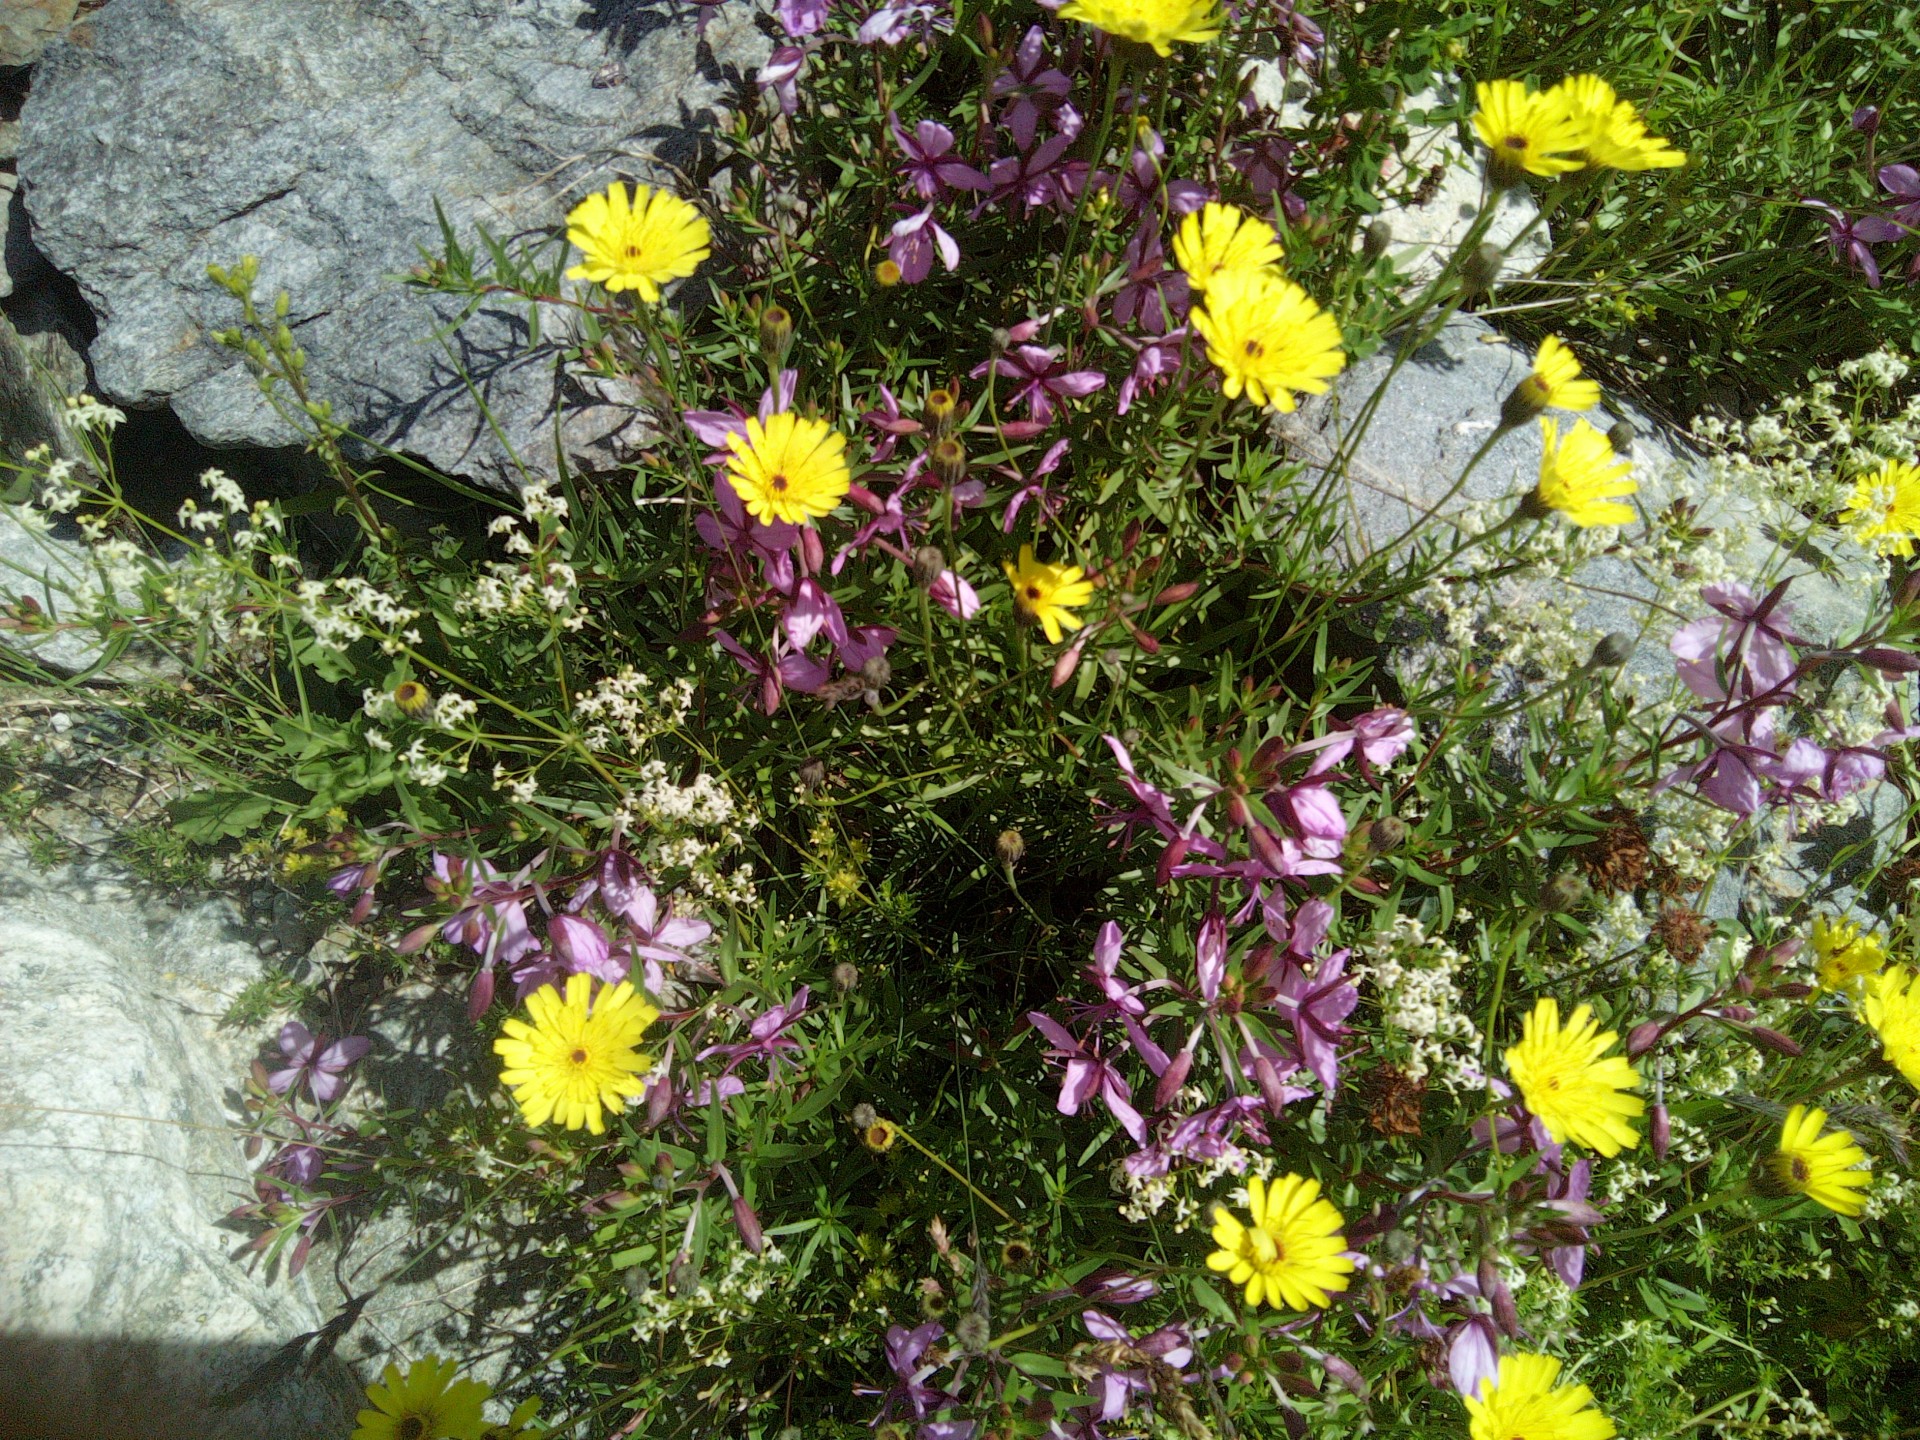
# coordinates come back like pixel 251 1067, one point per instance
pixel 1801 1172
pixel 412 1427
pixel 1553 1082
pixel 1515 142
pixel 1033 592
pixel 779 482
pixel 633 251
pixel 1254 347
pixel 579 1057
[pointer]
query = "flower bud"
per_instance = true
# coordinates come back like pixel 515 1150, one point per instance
pixel 659 1106
pixel 1867 120
pixel 663 1171
pixel 1736 1012
pixel 1379 235
pixel 973 1332
pixel 776 334
pixel 886 274
pixel 1564 892
pixel 1642 1038
pixel 812 773
pixel 948 460
pixel 1481 269
pixel 1010 845
pixel 1773 1040
pixel 879 1136
pixel 1611 651
pixel 1523 402
pixel 863 1115
pixel 412 699
pixel 1389 832
pixel 942 410
pixel 813 550
pixel 680 1274
pixel 1172 1079
pixel 1015 1254
pixel 638 1280
pixel 846 977
pixel 1620 435
pixel 929 564
pixel 748 1224
pixel 1271 1090
pixel 1660 1131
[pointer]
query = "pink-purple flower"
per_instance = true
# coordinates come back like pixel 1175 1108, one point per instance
pixel 321 1067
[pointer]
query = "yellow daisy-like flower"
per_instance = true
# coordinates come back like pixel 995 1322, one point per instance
pixel 577 1060
pixel 1612 135
pixel 1555 381
pixel 1292 1251
pixel 1047 594
pixel 639 244
pixel 1524 132
pixel 1581 477
pixel 425 1403
pixel 1892 1008
pixel 1844 954
pixel 1883 512
pixel 1579 1092
pixel 1526 1403
pixel 1220 237
pixel 792 468
pixel 1158 23
pixel 1267 337
pixel 1820 1167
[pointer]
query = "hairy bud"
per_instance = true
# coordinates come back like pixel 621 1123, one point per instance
pixel 1010 845
pixel 942 410
pixel 948 459
pixel 1621 435
pixel 1379 236
pixel 1565 891
pixel 1389 832
pixel 1611 651
pixel 776 334
pixel 1481 269
pixel 846 977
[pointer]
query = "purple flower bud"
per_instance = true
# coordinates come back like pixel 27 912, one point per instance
pixel 1867 120
pixel 1642 1038
pixel 1736 1012
pixel 1271 1089
pixel 1662 1131
pixel 1773 1040
pixel 748 1224
pixel 1174 1077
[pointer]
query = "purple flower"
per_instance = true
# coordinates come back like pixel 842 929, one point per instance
pixel 915 240
pixel 781 76
pixel 1088 1075
pixel 1852 238
pixel 298 1165
pixel 954 595
pixel 1318 1007
pixel 1035 487
pixel 1568 1192
pixel 1267 162
pixel 1032 88
pixel 1744 653
pixel 1034 177
pixel 905 1349
pixel 1152 362
pixel 1866 120
pixel 1040 377
pixel 930 165
pixel 1115 1387
pixel 1153 293
pixel 657 936
pixel 322 1067
pixel 582 948
pixel 893 24
pixel 1473 1354
pixel 1903 183
pixel 768 1038
pixel 801 17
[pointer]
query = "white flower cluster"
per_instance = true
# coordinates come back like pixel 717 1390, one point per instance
pixel 630 709
pixel 88 414
pixel 1414 975
pixel 344 609
pixel 718 1299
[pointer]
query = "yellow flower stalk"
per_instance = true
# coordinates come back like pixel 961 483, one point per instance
pixel 1820 1167
pixel 1612 135
pixel 425 1402
pixel 1267 337
pixel 576 1060
pixel 1554 382
pixel 1844 955
pixel 1578 1091
pixel 636 244
pixel 1220 237
pixel 792 468
pixel 1883 512
pixel 1525 133
pixel 1526 1402
pixel 1892 1008
pixel 1159 23
pixel 1291 1249
pixel 1047 595
pixel 1581 477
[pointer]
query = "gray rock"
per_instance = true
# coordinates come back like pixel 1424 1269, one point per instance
pixel 166 135
pixel 121 1311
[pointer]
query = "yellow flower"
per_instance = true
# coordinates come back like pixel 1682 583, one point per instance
pixel 519 1425
pixel 412 698
pixel 1524 132
pixel 1555 381
pixel 1844 954
pixel 426 1403
pixel 1524 1403
pixel 792 468
pixel 1047 594
pixel 1884 509
pixel 1151 22
pixel 1267 337
pixel 1220 237
pixel 1818 1166
pixel 1581 477
pixel 1612 136
pixel 1892 1008
pixel 1291 1253
pixel 636 245
pixel 1578 1095
pixel 576 1061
